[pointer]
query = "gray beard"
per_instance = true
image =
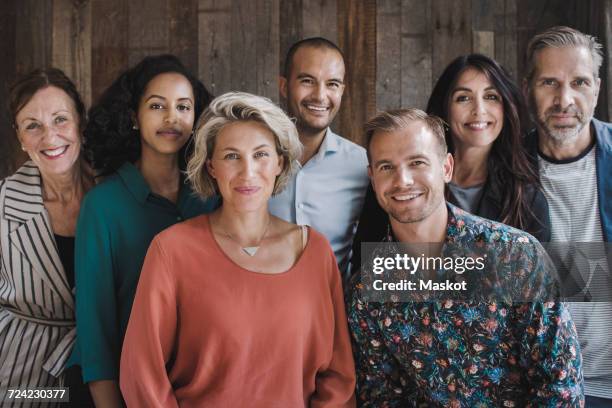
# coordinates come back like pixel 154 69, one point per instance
pixel 562 136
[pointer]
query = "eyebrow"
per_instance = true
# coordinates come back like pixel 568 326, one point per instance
pixel 461 88
pixel 409 158
pixel 161 97
pixel 305 75
pixel 233 149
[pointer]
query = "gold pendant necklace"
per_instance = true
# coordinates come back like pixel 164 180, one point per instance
pixel 250 250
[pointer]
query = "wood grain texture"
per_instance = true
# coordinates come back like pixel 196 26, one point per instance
pixel 243 46
pixel 183 32
pixel 319 18
pixel 8 141
pixel 417 53
pixel 389 54
pixel 357 39
pixel 484 43
pixel 452 32
pixel 109 39
pixel 506 51
pixel 71 43
pixel 33 35
pixel 267 48
pixel 291 21
pixel 214 44
pixel 148 28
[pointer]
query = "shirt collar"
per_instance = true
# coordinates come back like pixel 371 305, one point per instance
pixel 134 182
pixel 330 144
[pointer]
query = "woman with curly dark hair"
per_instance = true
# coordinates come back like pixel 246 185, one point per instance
pixel 137 137
pixel 493 176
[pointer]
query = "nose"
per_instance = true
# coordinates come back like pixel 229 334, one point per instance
pixel 478 107
pixel 403 177
pixel 564 97
pixel 319 92
pixel 170 116
pixel 248 167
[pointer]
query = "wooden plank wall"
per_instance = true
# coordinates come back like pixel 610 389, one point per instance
pixel 395 49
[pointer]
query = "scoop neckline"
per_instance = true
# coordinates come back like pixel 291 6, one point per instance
pixel 233 263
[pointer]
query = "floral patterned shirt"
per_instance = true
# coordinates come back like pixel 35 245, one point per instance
pixel 457 354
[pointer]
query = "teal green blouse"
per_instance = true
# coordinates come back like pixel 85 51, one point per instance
pixel 117 222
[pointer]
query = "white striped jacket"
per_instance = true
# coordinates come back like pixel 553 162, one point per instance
pixel 37 326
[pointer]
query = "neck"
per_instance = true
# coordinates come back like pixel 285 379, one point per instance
pixel 430 230
pixel 312 142
pixel 565 151
pixel 161 173
pixel 470 166
pixel 63 187
pixel 246 228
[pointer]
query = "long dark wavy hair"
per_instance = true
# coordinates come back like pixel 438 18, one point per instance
pixel 110 139
pixel 508 164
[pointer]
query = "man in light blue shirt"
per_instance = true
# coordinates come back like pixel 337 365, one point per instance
pixel 328 190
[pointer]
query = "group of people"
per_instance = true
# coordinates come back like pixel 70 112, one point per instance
pixel 175 249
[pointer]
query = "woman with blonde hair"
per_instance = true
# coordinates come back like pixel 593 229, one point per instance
pixel 239 308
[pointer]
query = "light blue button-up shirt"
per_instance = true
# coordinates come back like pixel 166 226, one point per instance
pixel 327 193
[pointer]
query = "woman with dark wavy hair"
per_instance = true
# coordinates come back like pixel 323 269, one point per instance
pixel 493 176
pixel 137 136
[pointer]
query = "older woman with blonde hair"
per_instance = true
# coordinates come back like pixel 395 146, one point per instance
pixel 239 308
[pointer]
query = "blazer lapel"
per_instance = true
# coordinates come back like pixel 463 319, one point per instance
pixel 23 203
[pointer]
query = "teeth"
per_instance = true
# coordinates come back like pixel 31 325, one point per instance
pixel 406 197
pixel 478 125
pixel 316 108
pixel 55 152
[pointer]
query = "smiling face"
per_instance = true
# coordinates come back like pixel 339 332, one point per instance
pixel 314 88
pixel 563 93
pixel 475 111
pixel 245 165
pixel 165 114
pixel 48 129
pixel 408 172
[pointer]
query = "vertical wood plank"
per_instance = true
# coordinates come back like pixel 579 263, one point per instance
pixel 109 41
pixel 291 21
pixel 8 142
pixel 267 48
pixel 214 44
pixel 243 46
pixel 483 26
pixel 183 32
pixel 357 39
pixel 452 35
pixel 33 35
pixel 484 43
pixel 320 19
pixel 148 28
pixel 416 40
pixel 506 49
pixel 388 54
pixel 71 44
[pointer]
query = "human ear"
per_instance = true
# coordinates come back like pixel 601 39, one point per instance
pixel 447 167
pixel 282 86
pixel 210 168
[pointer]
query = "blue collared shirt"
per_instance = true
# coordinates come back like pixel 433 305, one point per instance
pixel 327 193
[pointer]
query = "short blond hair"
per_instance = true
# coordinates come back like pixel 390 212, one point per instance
pixel 397 119
pixel 560 37
pixel 241 107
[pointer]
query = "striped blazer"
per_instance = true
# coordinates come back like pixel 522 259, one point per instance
pixel 37 326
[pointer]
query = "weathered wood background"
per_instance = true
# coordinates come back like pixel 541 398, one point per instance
pixel 395 49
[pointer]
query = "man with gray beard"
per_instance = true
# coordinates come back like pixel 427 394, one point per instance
pixel 574 155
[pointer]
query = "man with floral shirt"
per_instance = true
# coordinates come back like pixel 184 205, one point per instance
pixel 453 353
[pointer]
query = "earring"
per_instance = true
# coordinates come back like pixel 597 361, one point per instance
pixel 134 127
pixel 23 148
